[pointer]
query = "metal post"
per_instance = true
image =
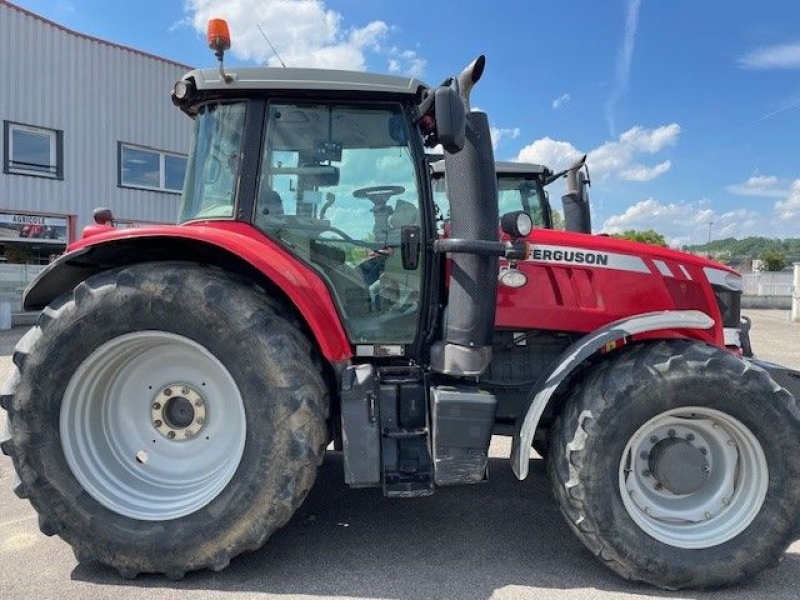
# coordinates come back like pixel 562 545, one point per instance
pixel 796 294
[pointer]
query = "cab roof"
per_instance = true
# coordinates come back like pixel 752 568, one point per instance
pixel 324 80
pixel 505 168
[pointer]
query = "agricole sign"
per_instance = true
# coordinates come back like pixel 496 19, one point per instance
pixel 27 228
pixel 18 219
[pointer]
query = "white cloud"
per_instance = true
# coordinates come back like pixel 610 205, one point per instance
pixel 683 223
pixel 611 158
pixel 304 32
pixel 784 56
pixel 789 209
pixel 407 62
pixel 561 101
pixel 500 133
pixel 642 173
pixel 552 153
pixel 624 58
pixel 764 186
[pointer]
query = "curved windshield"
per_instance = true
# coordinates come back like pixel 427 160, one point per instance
pixel 212 173
pixel 338 184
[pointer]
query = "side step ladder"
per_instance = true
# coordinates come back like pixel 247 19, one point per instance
pixel 407 467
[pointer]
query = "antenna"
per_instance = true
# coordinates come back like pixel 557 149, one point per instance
pixel 283 64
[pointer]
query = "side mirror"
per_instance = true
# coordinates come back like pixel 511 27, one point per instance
pixel 451 119
pixel 583 187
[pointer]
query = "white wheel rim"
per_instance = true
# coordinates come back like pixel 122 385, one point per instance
pixel 725 503
pixel 116 442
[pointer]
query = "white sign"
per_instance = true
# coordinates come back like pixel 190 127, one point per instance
pixel 17 219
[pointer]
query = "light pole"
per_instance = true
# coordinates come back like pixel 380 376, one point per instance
pixel 710 223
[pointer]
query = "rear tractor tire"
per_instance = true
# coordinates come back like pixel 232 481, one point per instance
pixel 165 417
pixel 678 464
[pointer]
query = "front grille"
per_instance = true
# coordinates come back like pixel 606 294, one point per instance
pixel 730 305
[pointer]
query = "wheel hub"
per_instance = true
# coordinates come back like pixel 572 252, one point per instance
pixel 693 477
pixel 178 411
pixel 678 466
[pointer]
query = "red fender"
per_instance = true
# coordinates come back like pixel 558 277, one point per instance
pixel 301 284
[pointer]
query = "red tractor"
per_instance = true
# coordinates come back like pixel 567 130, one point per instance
pixel 521 186
pixel 172 404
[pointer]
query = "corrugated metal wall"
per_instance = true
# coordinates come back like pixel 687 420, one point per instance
pixel 98 95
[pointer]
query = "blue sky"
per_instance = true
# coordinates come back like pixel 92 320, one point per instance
pixel 689 110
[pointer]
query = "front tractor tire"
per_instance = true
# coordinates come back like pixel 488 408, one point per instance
pixel 678 464
pixel 165 417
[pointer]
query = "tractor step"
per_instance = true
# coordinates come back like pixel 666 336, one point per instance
pixel 407 468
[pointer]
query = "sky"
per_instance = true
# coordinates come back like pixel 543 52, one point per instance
pixel 689 110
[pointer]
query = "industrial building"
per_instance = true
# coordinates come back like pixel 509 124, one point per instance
pixel 85 123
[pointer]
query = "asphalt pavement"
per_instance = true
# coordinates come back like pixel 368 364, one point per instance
pixel 503 539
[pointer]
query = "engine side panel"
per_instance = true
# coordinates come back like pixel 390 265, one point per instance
pixel 578 283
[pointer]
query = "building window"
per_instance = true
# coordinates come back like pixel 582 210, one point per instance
pixel 148 169
pixel 29 150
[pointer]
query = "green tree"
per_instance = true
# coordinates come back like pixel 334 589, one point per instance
pixel 558 220
pixel 773 260
pixel 649 236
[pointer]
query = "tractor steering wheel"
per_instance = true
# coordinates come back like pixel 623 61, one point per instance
pixel 379 193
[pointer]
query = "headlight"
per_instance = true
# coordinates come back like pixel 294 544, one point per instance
pixel 517 224
pixel 513 278
pixel 182 90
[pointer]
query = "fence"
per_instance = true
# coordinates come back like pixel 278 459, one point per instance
pixel 13 280
pixel 767 284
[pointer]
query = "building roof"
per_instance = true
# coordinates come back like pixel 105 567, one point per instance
pixel 90 38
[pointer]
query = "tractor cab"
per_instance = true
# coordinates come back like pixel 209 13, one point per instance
pixel 334 182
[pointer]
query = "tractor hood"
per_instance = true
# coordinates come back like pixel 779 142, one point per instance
pixel 603 243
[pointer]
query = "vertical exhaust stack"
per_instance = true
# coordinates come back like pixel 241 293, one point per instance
pixel 472 193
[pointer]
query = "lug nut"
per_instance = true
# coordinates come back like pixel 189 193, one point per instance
pixel 184 391
pixel 645 473
pixel 703 451
pixel 653 439
pixel 658 486
pixel 171 435
pixel 690 437
pixel 158 423
pixel 200 421
pixel 156 406
pixel 671 433
pixel 644 455
pixel 168 391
